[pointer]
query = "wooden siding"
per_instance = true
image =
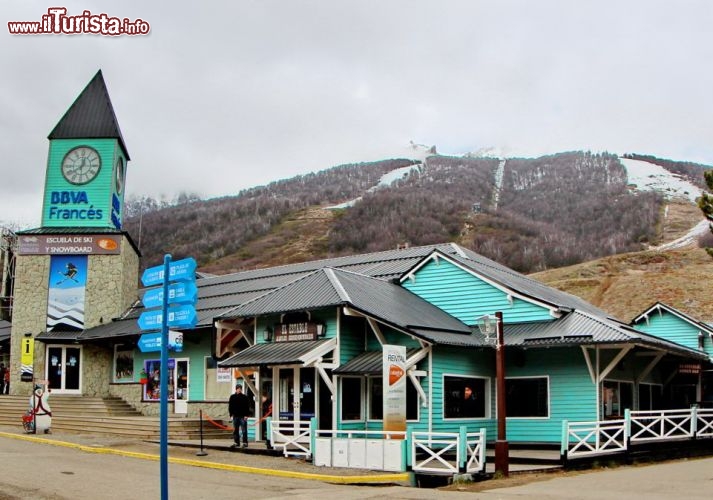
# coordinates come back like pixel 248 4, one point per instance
pixel 572 395
pixel 668 326
pixel 468 297
pixel 98 191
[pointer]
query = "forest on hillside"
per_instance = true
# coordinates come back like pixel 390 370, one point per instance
pixel 548 212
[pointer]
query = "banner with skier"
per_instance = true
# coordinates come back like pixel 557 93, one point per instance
pixel 67 283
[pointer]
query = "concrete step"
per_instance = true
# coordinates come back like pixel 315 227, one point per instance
pixel 111 416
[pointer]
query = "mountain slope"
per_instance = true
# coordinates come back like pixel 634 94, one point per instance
pixel 529 214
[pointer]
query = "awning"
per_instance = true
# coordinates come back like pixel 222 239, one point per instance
pixel 367 363
pixel 58 336
pixel 281 353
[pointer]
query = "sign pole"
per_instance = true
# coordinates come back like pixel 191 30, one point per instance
pixel 164 380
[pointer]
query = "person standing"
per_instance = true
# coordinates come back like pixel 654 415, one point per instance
pixel 2 378
pixel 239 409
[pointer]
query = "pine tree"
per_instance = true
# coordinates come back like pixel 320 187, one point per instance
pixel 705 203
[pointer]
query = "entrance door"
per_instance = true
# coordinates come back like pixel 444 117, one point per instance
pixel 181 377
pixel 63 369
pixel 288 406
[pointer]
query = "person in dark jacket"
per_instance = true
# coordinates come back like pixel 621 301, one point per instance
pixel 239 409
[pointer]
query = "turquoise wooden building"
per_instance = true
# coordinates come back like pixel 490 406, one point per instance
pixel 565 359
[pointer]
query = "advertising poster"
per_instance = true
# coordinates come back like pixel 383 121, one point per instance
pixel 394 373
pixel 67 283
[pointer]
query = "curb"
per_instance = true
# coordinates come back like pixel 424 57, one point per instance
pixel 328 478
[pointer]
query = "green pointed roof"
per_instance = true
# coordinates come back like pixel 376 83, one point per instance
pixel 91 116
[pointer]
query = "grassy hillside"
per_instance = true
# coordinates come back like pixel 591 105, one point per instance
pixel 624 285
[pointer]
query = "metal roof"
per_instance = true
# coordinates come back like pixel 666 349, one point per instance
pixel 367 363
pixel 333 282
pixel 274 353
pixel 330 287
pixel 65 336
pixel 90 116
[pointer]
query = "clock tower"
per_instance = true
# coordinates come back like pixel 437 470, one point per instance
pixel 86 165
pixel 79 269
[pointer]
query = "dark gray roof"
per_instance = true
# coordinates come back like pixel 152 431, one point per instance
pixel 220 294
pixel 64 336
pixel 90 116
pixel 367 363
pixel 383 300
pixel 311 285
pixel 274 353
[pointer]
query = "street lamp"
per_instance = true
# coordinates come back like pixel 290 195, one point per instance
pixel 486 325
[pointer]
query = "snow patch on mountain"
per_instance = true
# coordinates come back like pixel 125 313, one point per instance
pixel 650 177
pixel 384 181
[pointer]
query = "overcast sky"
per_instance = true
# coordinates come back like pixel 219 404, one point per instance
pixel 224 95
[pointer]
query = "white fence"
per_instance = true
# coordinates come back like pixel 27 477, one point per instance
pixel 448 452
pixel 294 437
pixel 425 452
pixel 581 439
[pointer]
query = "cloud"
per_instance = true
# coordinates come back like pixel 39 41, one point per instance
pixel 228 95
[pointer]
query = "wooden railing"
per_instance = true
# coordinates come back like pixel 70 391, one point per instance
pixel 294 437
pixel 581 439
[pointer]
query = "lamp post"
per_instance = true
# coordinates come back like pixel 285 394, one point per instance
pixel 501 445
pixel 485 324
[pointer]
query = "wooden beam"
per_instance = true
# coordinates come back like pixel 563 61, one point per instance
pixel 612 364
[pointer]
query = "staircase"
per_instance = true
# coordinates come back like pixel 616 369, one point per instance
pixel 108 416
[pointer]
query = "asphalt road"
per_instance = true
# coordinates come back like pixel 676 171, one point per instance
pixel 39 470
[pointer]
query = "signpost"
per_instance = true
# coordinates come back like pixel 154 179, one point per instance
pixel 178 290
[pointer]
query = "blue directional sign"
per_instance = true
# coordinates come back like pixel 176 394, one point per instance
pixel 179 270
pixel 151 320
pixel 182 270
pixel 150 342
pixel 181 292
pixel 152 276
pixel 182 316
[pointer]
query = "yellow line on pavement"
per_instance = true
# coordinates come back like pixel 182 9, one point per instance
pixel 381 478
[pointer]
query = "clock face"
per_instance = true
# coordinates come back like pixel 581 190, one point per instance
pixel 119 175
pixel 81 165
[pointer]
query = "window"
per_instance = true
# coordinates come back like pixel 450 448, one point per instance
pixel 527 397
pixel 123 363
pixel 616 397
pixel 464 397
pixel 650 396
pixel 376 399
pixel 351 398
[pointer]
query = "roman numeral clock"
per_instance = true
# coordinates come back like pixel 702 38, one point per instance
pixel 86 165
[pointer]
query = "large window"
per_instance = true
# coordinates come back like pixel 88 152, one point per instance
pixel 527 397
pixel 464 397
pixel 650 396
pixel 376 399
pixel 616 397
pixel 351 398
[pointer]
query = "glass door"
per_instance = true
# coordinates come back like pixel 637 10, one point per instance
pixel 181 378
pixel 63 369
